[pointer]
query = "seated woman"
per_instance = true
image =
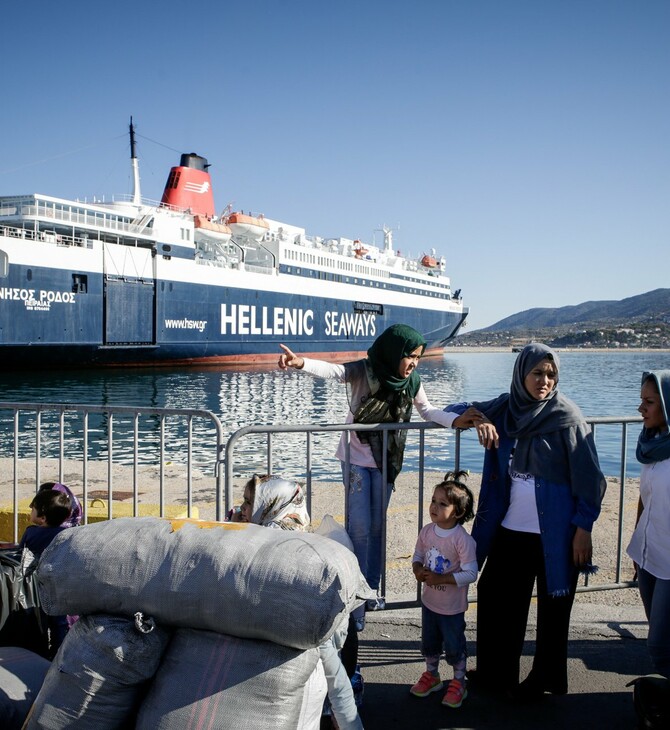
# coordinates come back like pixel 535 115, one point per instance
pixel 279 503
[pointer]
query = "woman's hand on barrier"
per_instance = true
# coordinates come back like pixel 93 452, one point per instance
pixel 486 431
pixel 288 359
pixel 582 548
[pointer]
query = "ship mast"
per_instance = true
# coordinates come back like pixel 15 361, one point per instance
pixel 137 196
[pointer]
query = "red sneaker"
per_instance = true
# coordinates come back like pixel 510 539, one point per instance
pixel 427 684
pixel 456 693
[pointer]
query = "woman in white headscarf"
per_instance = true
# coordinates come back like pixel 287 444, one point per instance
pixel 279 503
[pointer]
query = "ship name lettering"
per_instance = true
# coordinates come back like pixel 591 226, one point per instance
pixel 56 296
pixel 17 295
pixel 348 324
pixel 248 319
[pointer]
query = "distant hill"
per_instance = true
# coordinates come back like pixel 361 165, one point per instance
pixel 639 321
pixel 653 304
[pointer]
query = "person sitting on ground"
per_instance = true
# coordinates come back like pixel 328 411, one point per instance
pixel 76 512
pixel 50 508
pixel 445 561
pixel 279 503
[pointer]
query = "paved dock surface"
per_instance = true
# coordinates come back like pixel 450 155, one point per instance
pixel 607 650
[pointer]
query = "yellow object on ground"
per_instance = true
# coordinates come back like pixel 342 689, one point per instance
pixel 179 522
pixel 96 511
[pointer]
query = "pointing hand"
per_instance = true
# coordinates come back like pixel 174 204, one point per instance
pixel 288 359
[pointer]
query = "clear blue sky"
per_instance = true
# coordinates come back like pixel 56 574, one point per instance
pixel 526 140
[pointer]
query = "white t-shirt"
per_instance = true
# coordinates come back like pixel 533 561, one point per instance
pixel 521 514
pixel 650 545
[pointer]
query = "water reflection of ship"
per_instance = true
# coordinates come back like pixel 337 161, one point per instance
pixel 238 397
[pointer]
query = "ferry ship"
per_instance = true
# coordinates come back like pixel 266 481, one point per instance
pixel 136 282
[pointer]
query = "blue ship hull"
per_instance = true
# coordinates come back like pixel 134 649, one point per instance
pixel 133 282
pixel 133 322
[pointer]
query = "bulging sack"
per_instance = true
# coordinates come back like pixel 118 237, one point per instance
pixel 99 674
pixel 288 587
pixel 225 683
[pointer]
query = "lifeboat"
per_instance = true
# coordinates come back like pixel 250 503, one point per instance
pixel 430 262
pixel 207 229
pixel 359 249
pixel 247 226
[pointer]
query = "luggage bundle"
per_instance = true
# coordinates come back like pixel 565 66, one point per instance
pixel 236 617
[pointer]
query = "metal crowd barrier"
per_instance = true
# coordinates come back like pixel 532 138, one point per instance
pixel 64 432
pixel 152 437
pixel 309 430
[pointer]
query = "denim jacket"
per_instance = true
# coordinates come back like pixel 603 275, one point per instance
pixel 559 512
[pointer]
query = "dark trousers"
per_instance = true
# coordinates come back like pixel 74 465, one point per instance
pixel 504 592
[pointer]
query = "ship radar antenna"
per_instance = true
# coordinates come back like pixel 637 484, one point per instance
pixel 137 195
pixel 388 237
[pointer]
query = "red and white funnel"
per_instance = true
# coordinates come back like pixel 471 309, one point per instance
pixel 189 186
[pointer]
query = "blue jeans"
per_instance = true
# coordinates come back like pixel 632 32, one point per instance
pixel 440 632
pixel 655 595
pixel 365 518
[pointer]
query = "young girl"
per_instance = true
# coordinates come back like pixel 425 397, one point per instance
pixel 382 387
pixel 445 562
pixel 650 545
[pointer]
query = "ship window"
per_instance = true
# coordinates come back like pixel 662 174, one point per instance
pixel 79 283
pixel 4 265
pixel 29 274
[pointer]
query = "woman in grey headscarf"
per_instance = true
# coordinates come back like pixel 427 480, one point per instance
pixel 650 545
pixel 540 495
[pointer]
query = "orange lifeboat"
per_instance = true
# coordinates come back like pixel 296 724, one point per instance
pixel 205 228
pixel 248 226
pixel 359 249
pixel 430 262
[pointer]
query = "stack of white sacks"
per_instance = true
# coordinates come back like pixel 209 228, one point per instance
pixel 193 628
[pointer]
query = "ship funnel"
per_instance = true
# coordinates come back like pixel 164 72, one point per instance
pixel 189 186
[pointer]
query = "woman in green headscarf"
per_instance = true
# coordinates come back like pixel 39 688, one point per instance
pixel 382 388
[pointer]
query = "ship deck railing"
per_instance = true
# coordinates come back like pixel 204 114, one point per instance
pixel 60 239
pixel 125 459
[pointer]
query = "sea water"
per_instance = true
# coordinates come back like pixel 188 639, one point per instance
pixel 605 383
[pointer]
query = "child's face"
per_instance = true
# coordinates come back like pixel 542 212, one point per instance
pixel 36 519
pixel 442 513
pixel 247 508
pixel 650 408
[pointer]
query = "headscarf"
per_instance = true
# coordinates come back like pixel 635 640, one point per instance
pixel 395 343
pixel 391 397
pixel 279 503
pixel 526 417
pixel 653 445
pixel 76 512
